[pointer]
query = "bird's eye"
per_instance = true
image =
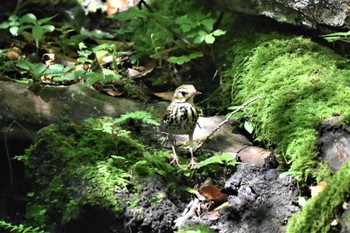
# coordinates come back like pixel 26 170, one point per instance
pixel 183 93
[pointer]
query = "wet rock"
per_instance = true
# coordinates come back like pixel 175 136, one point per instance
pixel 334 143
pixel 155 212
pixel 345 219
pixel 260 201
pixel 309 13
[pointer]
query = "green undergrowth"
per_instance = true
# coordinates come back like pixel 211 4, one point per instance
pixel 300 84
pixel 95 163
pixel 320 211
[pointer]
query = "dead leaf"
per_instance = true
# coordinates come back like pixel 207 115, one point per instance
pixel 108 89
pixel 165 95
pixel 315 190
pixel 212 216
pixel 114 92
pixel 13 54
pixel 213 193
pixel 115 6
pixel 345 205
pixel 48 58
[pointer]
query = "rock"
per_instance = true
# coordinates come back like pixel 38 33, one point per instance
pixel 309 13
pixel 155 212
pixel 345 220
pixel 334 143
pixel 260 201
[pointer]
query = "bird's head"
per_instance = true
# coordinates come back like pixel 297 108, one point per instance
pixel 185 93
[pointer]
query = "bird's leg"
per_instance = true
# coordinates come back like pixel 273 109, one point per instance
pixel 192 163
pixel 175 158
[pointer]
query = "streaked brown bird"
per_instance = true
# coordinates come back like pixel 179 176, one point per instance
pixel 181 118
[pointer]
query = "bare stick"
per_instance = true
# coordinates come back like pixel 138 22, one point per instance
pixel 229 116
pixel 188 213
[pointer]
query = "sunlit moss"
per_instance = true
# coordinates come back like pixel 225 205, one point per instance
pixel 300 85
pixel 320 211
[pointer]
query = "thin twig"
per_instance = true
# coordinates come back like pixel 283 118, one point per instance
pixel 181 221
pixel 229 116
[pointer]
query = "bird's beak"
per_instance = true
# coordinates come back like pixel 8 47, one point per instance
pixel 197 93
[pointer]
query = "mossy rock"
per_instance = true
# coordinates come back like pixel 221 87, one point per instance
pixel 320 211
pixel 301 84
pixel 96 163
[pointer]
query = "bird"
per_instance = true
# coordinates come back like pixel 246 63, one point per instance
pixel 181 118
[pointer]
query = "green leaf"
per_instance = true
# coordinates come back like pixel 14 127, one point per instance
pixel 28 18
pixel 185 23
pixel 218 32
pixel 185 58
pixel 38 33
pixel 72 76
pixel 109 75
pixel 24 27
pixel 57 70
pixel 208 24
pixel 164 20
pixel 23 64
pixel 218 159
pixel 209 39
pixel 44 20
pixel 35 69
pixel 249 127
pixel 4 25
pixel 92 78
pixel 133 12
pixel 14 30
pixel 48 28
pixel 13 18
pixel 201 35
pixel 98 34
pixel 54 69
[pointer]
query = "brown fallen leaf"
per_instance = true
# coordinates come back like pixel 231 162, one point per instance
pixel 168 95
pixel 213 193
pixel 115 6
pixel 315 190
pixel 213 216
pixel 13 53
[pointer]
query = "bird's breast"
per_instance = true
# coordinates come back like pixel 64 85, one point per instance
pixel 181 118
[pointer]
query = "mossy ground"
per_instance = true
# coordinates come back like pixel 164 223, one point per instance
pixel 300 84
pixel 92 164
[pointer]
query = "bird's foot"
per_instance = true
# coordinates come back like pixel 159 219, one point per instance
pixel 175 160
pixel 192 164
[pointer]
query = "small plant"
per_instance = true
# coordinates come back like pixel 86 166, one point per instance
pixel 6 65
pixel 18 25
pixel 227 159
pixel 19 228
pixel 38 70
pixel 175 38
pixel 337 36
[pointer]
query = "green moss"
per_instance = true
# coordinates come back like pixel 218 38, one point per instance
pixel 195 229
pixel 301 84
pixel 319 212
pixel 93 164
